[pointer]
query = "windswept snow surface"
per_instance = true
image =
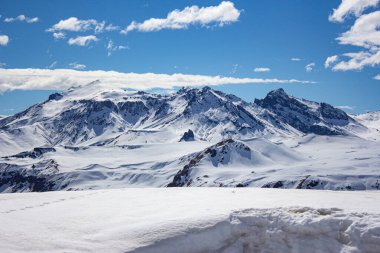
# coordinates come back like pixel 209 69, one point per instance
pixel 191 220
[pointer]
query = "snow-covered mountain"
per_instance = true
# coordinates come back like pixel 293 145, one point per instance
pixel 89 114
pixel 91 137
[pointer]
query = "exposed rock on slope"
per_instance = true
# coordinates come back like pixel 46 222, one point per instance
pixel 306 116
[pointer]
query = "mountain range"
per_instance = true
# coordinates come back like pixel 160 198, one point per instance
pixel 92 137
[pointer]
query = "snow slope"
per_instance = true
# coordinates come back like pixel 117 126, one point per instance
pixel 309 162
pixel 372 121
pixel 191 220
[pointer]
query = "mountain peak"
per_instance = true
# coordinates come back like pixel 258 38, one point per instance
pixel 274 97
pixel 191 89
pixel 206 88
pixel 278 92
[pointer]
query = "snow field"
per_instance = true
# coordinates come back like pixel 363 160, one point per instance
pixel 190 220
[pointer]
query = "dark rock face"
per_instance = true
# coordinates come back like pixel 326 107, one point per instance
pixel 55 96
pixel 35 153
pixel 38 177
pixel 188 136
pixel 333 114
pixel 278 184
pixel 303 115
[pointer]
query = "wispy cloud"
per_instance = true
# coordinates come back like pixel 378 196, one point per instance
pixel 59 35
pixel 261 70
pixel 295 59
pixel 330 60
pixel 234 68
pixel 221 14
pixel 377 77
pixel 4 40
pixel 76 65
pixel 348 7
pixel 309 67
pixel 82 40
pixel 58 79
pixel 22 18
pixel 345 107
pixel 111 47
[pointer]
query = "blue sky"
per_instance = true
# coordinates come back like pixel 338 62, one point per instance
pixel 243 36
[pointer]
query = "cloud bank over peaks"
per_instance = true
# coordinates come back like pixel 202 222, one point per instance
pixel 59 79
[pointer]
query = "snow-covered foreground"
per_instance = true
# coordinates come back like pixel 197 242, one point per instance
pixel 190 220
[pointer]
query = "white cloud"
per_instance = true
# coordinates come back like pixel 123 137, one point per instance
pixel 111 27
pixel 363 33
pixel 59 35
pixel 261 69
pixel 74 24
pixel 22 18
pixel 222 14
pixel 82 40
pixel 348 7
pixel 330 60
pixel 345 107
pixel 111 47
pixel 76 65
pixel 309 67
pixel 377 77
pixel 295 59
pixel 358 60
pixel 58 79
pixel 4 40
pixel 32 20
